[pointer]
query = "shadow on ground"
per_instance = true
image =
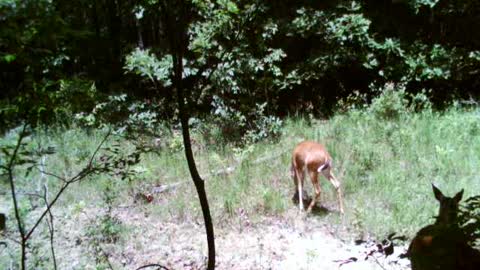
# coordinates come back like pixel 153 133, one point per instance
pixel 316 209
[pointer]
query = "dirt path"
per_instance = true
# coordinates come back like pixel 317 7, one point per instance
pixel 273 243
pixel 282 242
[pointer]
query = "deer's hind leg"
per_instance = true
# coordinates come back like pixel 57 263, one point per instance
pixel 329 175
pixel 316 186
pixel 298 177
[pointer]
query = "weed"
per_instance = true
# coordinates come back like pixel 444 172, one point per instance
pixel 273 201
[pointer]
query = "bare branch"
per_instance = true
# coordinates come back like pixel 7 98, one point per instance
pixel 159 266
pixel 52 175
pixel 99 147
pixel 51 227
pixel 82 174
pixel 49 205
pixel 13 191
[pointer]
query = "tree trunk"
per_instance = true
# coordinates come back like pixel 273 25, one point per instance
pixel 139 33
pixel 197 180
pixel 176 28
pixel 114 28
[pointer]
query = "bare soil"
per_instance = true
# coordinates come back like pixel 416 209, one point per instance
pixel 290 241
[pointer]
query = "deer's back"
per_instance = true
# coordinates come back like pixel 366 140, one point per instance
pixel 310 154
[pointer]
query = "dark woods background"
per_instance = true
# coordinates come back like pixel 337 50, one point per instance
pixel 245 58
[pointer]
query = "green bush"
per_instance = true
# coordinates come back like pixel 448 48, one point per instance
pixel 390 104
pixel 127 117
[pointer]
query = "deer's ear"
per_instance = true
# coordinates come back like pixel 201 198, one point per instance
pixel 438 194
pixel 458 196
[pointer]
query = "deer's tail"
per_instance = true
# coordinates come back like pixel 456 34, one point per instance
pixel 325 165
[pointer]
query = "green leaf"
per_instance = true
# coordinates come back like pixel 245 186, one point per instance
pixel 232 8
pixel 9 58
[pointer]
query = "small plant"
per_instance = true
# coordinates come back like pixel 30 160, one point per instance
pixel 358 224
pixel 263 126
pixel 273 201
pixel 353 102
pixel 106 229
pixel 391 104
pixel 229 120
pixel 229 204
pixel 175 143
pixel 420 102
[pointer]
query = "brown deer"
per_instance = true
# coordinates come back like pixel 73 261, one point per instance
pixel 313 157
pixel 443 245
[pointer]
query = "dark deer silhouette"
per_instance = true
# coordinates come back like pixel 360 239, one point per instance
pixel 443 245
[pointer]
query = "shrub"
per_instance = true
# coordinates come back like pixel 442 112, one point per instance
pixel 248 127
pixel 390 104
pixel 125 115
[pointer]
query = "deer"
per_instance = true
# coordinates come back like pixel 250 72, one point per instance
pixel 313 158
pixel 443 245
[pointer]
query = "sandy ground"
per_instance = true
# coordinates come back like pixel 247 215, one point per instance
pixel 291 241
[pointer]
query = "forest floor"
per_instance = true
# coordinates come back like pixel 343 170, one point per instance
pixel 289 241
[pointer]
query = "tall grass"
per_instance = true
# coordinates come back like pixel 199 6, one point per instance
pixel 386 167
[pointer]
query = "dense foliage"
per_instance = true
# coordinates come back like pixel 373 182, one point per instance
pixel 247 62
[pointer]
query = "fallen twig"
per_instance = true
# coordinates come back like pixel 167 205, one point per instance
pixel 153 265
